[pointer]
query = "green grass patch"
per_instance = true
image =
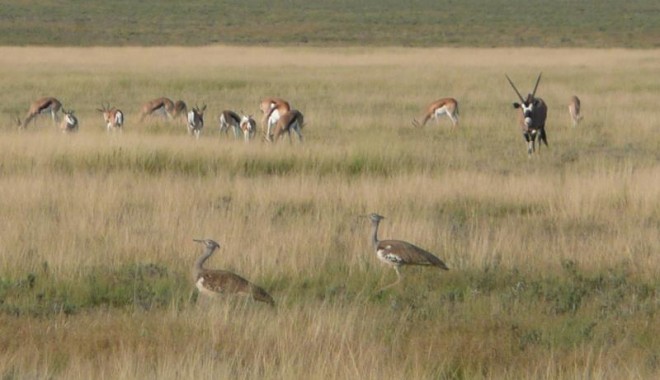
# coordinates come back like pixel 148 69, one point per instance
pixel 137 287
pixel 320 23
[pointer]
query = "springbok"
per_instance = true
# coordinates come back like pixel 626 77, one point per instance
pixel 230 119
pixel 292 120
pixel 444 106
pixel 531 118
pixel 113 117
pixel 69 122
pixel 41 106
pixel 196 120
pixel 161 105
pixel 249 127
pixel 273 109
pixel 574 110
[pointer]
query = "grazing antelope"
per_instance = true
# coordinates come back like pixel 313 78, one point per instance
pixel 196 120
pixel 69 122
pixel 217 282
pixel 113 117
pixel 230 119
pixel 574 110
pixel 248 126
pixel 531 118
pixel 273 109
pixel 161 105
pixel 397 253
pixel 292 120
pixel 444 106
pixel 41 106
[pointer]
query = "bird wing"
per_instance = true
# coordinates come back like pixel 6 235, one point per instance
pixel 222 281
pixel 405 253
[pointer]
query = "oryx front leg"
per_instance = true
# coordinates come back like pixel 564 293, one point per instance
pixel 529 137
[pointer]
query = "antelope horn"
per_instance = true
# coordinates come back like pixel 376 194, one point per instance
pixel 515 89
pixel 536 85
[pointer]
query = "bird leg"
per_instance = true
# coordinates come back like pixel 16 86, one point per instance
pixel 398 279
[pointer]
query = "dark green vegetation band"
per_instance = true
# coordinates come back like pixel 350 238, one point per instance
pixel 423 23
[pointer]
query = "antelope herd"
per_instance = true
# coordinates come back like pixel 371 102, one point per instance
pixel 279 119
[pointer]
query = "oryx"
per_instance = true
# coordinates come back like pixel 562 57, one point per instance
pixel 531 116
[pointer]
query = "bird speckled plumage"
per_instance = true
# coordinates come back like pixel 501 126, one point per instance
pixel 398 253
pixel 214 282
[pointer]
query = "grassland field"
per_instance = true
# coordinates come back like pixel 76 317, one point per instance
pixel 554 259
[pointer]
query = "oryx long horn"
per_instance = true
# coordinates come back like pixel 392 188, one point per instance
pixel 514 88
pixel 536 85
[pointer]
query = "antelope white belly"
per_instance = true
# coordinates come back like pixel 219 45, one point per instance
pixel 441 111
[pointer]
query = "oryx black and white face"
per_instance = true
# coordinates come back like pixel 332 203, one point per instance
pixel 527 107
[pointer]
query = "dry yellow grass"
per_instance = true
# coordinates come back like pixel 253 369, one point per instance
pixel 287 216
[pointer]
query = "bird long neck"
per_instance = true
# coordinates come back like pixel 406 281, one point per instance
pixel 199 264
pixel 374 233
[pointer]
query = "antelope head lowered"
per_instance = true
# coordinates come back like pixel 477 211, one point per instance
pixel 531 116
